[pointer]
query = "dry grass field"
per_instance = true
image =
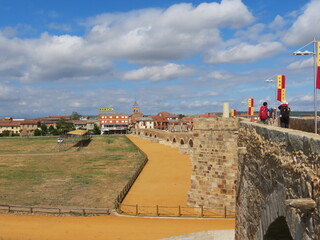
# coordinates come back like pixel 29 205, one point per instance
pixel 34 173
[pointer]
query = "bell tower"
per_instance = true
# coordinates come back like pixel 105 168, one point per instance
pixel 135 108
pixel 135 112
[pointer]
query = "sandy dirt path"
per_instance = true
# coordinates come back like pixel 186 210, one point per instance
pixel 163 181
pixel 101 228
pixel 166 178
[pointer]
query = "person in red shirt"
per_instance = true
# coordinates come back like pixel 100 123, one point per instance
pixel 264 113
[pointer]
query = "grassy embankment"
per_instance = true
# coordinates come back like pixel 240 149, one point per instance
pixel 34 173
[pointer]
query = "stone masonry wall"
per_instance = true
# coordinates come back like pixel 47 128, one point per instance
pixel 275 165
pixel 214 163
pixel 303 124
pixel 181 140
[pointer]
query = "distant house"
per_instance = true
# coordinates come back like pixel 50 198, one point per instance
pixel 53 120
pixel 144 122
pixel 84 124
pixel 182 125
pixel 114 123
pixel 28 126
pixel 8 126
pixel 163 120
pixel 80 124
pixel 11 126
pixel 58 117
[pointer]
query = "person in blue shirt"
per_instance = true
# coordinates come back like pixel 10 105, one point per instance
pixel 272 116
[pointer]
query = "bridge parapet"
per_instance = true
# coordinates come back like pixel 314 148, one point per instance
pixel 214 163
pixel 278 164
pixel 181 140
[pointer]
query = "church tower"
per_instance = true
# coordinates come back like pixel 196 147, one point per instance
pixel 136 112
pixel 135 108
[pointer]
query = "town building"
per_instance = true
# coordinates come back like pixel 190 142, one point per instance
pixel 114 123
pixel 183 125
pixel 84 124
pixel 10 126
pixel 28 126
pixel 144 123
pixel 53 120
pixel 163 120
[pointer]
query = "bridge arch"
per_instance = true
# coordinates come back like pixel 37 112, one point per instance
pixel 174 140
pixel 190 142
pixel 182 141
pixel 278 229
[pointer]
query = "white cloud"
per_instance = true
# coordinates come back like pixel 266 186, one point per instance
pixel 245 52
pixel 278 23
pixel 62 58
pixel 158 73
pixel 219 75
pixel 62 27
pixel 162 35
pixel 307 98
pixel 253 33
pixel 145 37
pixel 307 63
pixel 305 27
pixel 199 104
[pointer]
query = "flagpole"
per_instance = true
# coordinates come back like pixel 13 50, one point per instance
pixel 315 56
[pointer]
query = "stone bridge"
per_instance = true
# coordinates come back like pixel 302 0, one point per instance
pixel 182 140
pixel 269 175
pixel 278 183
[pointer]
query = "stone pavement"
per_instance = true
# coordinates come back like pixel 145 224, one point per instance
pixel 205 235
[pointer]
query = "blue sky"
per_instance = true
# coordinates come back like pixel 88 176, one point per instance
pixel 186 57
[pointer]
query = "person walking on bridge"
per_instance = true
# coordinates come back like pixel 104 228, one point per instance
pixel 264 113
pixel 284 114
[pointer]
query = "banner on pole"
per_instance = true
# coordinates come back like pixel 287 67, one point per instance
pixel 250 106
pixel 318 66
pixel 250 111
pixel 250 102
pixel 233 113
pixel 281 96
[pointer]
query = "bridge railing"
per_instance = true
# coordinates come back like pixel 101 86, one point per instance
pixel 127 187
pixel 177 211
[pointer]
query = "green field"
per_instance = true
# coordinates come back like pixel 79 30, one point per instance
pixel 33 172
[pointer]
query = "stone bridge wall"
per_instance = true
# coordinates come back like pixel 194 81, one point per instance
pixel 214 163
pixel 276 164
pixel 181 140
pixel 303 124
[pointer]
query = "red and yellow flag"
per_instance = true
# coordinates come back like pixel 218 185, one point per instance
pixel 233 113
pixel 250 102
pixel 281 96
pixel 250 106
pixel 318 69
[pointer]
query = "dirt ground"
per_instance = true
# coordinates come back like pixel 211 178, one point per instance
pixel 101 228
pixel 166 164
pixel 165 180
